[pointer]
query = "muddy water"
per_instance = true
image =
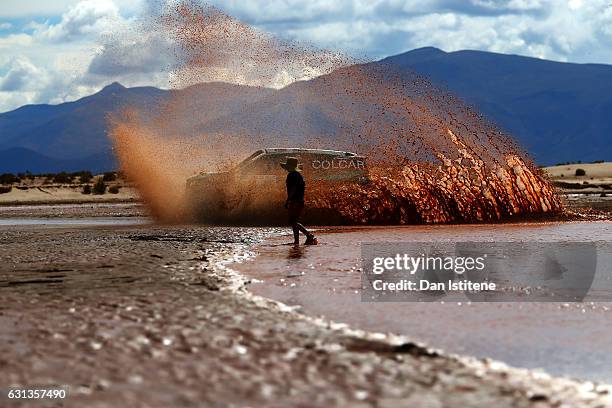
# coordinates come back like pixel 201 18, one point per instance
pixel 564 339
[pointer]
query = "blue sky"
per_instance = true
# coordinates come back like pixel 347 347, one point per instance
pixel 53 51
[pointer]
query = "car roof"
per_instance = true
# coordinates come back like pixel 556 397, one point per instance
pixel 294 150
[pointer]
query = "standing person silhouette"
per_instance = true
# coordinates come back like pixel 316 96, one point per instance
pixel 295 201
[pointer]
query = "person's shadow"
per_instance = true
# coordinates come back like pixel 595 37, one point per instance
pixel 294 266
pixel 296 252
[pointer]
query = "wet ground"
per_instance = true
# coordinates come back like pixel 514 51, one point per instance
pixel 62 222
pixel 599 202
pixel 568 339
pixel 72 211
pixel 149 316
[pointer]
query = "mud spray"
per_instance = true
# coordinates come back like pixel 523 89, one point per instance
pixel 432 158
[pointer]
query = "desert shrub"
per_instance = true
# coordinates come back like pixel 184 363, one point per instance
pixel 580 172
pixel 100 186
pixel 84 176
pixel 109 176
pixel 9 178
pixel 113 189
pixel 598 161
pixel 5 189
pixel 86 189
pixel 569 163
pixel 62 178
pixel 25 176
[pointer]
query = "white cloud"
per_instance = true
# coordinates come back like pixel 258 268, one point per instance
pixel 22 75
pixel 79 46
pixel 21 8
pixel 27 83
pixel 87 18
pixel 564 30
pixel 12 41
pixel 49 62
pixel 138 53
pixel 518 5
pixel 47 8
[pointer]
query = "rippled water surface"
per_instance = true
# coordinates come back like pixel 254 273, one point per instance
pixel 565 339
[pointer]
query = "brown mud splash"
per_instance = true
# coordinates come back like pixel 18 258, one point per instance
pixel 421 193
pixel 213 46
pixel 432 158
pixel 151 162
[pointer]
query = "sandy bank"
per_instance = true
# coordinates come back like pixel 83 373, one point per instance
pixel 55 194
pixel 586 178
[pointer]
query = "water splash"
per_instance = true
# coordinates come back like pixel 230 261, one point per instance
pixel 433 159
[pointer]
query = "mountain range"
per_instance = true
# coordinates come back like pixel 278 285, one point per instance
pixel 557 111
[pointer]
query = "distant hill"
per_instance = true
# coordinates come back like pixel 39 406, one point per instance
pixel 559 112
pixel 71 130
pixel 18 159
pixel 73 133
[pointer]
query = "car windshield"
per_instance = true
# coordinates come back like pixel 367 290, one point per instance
pixel 249 159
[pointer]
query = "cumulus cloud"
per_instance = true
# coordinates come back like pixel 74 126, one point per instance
pixel 22 75
pixel 90 45
pixel 565 30
pixel 48 62
pixel 47 8
pixel 497 7
pixel 89 17
pixel 25 83
pixel 86 44
pixel 140 54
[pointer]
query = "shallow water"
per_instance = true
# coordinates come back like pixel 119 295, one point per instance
pixel 564 339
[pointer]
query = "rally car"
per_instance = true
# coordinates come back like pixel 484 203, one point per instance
pixel 253 192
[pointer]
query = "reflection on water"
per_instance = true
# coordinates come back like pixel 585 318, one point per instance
pixel 563 338
pixel 296 252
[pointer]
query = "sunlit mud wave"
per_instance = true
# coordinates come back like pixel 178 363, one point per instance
pixel 460 190
pixel 433 158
